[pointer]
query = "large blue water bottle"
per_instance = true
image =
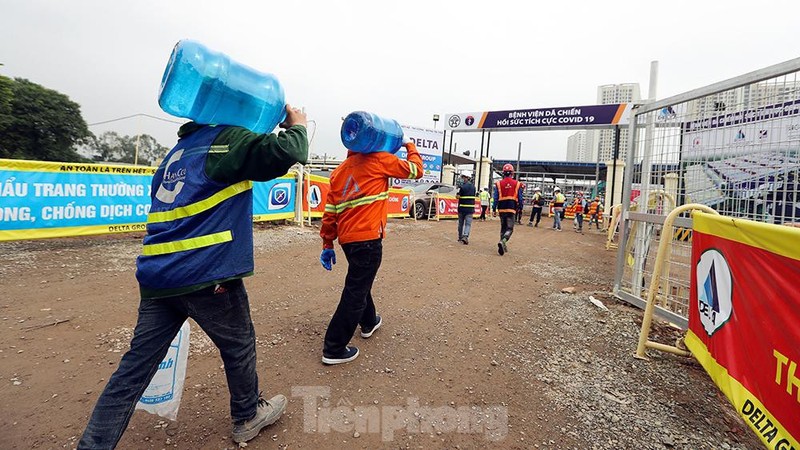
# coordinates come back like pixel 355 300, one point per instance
pixel 365 132
pixel 210 88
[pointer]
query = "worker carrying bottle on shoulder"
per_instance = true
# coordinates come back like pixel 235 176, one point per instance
pixel 355 213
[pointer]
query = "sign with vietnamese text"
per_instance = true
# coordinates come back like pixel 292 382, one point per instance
pixel 41 199
pixel 592 116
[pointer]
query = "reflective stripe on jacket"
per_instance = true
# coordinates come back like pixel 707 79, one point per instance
pixel 558 200
pixel 466 197
pixel 198 229
pixel 507 195
pixel 356 206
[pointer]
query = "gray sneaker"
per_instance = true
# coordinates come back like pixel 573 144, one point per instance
pixel 268 412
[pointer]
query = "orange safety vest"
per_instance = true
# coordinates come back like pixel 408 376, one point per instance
pixel 507 194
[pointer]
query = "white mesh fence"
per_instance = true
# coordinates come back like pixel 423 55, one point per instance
pixel 733 146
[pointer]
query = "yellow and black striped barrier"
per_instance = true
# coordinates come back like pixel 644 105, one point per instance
pixel 682 234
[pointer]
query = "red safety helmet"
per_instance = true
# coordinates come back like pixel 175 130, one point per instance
pixel 508 168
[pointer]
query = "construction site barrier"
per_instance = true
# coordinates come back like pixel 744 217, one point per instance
pixel 662 262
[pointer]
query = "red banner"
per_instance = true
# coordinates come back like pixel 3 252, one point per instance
pixel 447 207
pixel 315 191
pixel 744 320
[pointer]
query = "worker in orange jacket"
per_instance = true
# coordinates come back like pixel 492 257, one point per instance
pixel 355 213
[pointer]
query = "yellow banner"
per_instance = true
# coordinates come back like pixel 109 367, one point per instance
pixel 781 240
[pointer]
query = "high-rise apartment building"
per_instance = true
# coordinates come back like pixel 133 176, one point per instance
pixel 744 98
pixel 603 141
pixel 579 147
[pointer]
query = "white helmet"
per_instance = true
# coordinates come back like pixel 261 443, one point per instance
pixel 557 189
pixel 466 173
pixel 536 189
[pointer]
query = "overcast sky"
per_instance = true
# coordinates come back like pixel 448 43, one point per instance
pixel 404 59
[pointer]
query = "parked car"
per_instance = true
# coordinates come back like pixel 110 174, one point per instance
pixel 423 194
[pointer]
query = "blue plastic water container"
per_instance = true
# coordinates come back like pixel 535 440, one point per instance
pixel 210 88
pixel 365 132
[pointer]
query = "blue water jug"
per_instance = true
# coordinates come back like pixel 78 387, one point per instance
pixel 210 88
pixel 365 132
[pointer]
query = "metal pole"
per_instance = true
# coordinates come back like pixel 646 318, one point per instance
pixel 626 200
pixel 488 145
pixel 444 139
pixel 480 165
pixel 644 235
pixel 450 157
pixel 597 173
pixel 614 163
pixel 519 154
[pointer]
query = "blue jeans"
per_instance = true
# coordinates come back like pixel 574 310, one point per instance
pixel 464 223
pixel 557 218
pixel 355 305
pixel 224 316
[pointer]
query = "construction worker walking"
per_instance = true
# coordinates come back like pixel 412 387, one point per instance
pixel 507 195
pixel 558 207
pixel 484 195
pixel 536 211
pixel 355 214
pixel 594 212
pixel 466 206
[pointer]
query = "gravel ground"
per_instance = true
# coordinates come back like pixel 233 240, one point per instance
pixel 465 328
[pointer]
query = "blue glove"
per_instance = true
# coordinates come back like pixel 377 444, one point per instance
pixel 327 257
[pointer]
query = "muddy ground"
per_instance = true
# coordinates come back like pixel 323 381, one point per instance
pixel 476 351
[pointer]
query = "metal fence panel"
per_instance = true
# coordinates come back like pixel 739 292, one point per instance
pixel 733 146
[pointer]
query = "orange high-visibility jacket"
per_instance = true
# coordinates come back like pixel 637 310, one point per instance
pixel 594 207
pixel 356 206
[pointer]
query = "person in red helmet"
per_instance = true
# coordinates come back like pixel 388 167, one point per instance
pixel 507 196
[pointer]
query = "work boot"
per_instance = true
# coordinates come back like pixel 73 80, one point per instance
pixel 530 224
pixel 465 240
pixel 501 248
pixel 267 413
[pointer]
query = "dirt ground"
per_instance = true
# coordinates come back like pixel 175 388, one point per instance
pixel 476 351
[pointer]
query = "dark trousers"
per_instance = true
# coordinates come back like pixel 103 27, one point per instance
pixel 483 211
pixel 224 316
pixel 579 219
pixel 536 212
pixel 355 306
pixel 519 215
pixel 594 218
pixel 506 225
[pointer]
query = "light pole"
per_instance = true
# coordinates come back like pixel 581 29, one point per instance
pixel 435 119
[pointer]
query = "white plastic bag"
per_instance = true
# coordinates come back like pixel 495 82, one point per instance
pixel 163 394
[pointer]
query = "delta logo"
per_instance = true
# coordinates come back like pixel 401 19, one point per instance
pixel 279 196
pixel 469 121
pixel 314 196
pixel 404 204
pixel 442 206
pixel 714 290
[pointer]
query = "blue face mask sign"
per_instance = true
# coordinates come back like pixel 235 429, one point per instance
pixel 46 199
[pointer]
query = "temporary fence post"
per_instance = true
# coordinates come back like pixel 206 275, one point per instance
pixel 647 320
